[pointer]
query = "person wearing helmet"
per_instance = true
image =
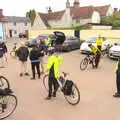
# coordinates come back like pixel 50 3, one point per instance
pixel 117 94
pixel 95 51
pixel 99 42
pixel 52 67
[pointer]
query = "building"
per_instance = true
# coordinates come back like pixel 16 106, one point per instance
pixel 3 21
pixel 17 26
pixel 71 16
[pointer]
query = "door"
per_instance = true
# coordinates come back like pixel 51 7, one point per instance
pixel 1 31
pixel 10 33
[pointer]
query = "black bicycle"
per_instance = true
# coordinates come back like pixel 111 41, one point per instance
pixel 89 59
pixel 4 83
pixel 8 103
pixel 71 93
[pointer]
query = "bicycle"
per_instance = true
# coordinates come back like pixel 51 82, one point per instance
pixel 8 103
pixel 89 59
pixel 71 98
pixel 4 83
pixel 13 52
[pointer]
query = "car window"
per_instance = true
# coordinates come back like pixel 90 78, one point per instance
pixel 92 40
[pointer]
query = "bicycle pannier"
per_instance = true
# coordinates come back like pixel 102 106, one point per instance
pixel 67 89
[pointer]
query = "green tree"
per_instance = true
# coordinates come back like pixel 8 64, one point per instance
pixel 114 20
pixel 32 15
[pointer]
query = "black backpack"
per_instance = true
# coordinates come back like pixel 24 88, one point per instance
pixel 67 89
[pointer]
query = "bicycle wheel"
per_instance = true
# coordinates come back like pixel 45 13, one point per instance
pixel 4 83
pixel 8 105
pixel 83 64
pixel 74 98
pixel 45 82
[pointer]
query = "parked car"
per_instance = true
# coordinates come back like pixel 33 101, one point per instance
pixel 32 42
pixel 114 51
pixel 71 43
pixel 84 48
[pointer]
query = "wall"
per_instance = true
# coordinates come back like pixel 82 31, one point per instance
pixel 95 17
pixel 110 34
pixel 1 31
pixel 100 27
pixel 84 34
pixel 34 33
pixel 38 23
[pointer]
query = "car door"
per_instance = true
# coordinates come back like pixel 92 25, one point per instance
pixel 75 43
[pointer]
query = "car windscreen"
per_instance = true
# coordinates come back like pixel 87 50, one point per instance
pixel 91 40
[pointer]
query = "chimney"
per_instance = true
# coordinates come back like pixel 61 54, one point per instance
pixel 115 9
pixel 76 3
pixel 49 10
pixel 1 12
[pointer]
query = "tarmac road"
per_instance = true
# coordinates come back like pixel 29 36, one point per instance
pixel 96 88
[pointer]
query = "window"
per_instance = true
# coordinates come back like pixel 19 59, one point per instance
pixel 15 32
pixel 14 23
pixel 25 24
pixel 77 20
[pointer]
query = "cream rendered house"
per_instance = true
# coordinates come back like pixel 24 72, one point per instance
pixel 71 16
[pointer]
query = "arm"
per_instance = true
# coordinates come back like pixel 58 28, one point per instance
pixel 49 64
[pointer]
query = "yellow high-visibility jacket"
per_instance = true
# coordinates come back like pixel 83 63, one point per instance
pixel 94 49
pixel 56 60
pixel 99 41
pixel 48 42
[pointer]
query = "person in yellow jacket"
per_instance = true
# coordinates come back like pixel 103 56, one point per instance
pixel 52 67
pixel 99 42
pixel 95 51
pixel 117 94
pixel 48 42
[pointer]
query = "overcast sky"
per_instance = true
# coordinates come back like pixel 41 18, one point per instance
pixel 19 7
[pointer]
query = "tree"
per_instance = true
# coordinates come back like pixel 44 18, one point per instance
pixel 114 20
pixel 31 15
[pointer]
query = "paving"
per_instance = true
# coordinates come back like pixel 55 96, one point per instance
pixel 96 89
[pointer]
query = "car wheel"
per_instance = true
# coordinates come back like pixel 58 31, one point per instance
pixel 68 49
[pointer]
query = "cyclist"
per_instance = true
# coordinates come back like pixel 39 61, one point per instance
pixel 99 42
pixel 97 53
pixel 3 51
pixel 52 67
pixel 117 94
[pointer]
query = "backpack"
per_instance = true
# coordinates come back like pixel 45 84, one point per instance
pixel 67 89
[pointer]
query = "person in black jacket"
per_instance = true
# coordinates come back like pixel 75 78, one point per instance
pixel 117 94
pixel 35 55
pixel 3 51
pixel 23 54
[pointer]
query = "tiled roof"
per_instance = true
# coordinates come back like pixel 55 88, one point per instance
pixel 102 9
pixel 76 12
pixel 82 12
pixel 3 19
pixel 51 16
pixel 17 19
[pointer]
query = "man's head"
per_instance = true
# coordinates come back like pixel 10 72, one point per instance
pixel 22 44
pixel 38 42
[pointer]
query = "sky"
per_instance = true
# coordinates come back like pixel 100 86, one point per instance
pixel 20 7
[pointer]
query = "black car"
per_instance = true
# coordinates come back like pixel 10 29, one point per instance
pixel 71 43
